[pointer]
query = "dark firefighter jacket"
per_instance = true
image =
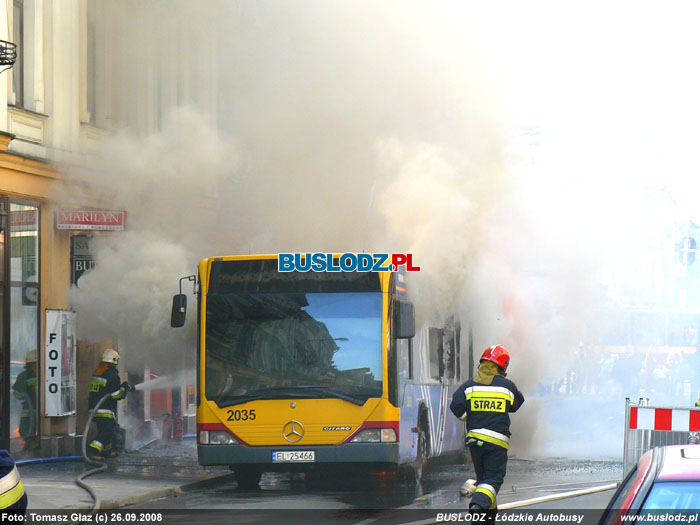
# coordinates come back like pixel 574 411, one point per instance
pixel 11 489
pixel 485 405
pixel 25 388
pixel 105 380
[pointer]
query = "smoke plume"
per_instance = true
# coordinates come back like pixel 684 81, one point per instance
pixel 316 126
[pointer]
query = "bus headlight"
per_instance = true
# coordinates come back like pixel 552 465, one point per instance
pixel 375 435
pixel 216 437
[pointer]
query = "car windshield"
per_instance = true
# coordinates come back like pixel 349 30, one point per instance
pixel 676 495
pixel 293 345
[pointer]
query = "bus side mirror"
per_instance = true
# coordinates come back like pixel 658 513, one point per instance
pixel 404 320
pixel 179 311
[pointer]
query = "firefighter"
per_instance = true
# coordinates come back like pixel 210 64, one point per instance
pixel 25 390
pixel 105 380
pixel 13 499
pixel 484 402
pixel 694 437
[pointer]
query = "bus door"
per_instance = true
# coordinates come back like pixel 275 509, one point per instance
pixel 444 372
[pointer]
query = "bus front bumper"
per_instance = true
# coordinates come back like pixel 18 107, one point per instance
pixel 324 454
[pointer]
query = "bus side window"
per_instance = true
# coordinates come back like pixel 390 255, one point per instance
pixel 458 355
pixel 443 354
pixel 404 349
pixel 436 351
pixel 450 353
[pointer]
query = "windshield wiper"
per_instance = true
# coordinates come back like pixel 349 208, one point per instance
pixel 237 400
pixel 286 392
pixel 331 393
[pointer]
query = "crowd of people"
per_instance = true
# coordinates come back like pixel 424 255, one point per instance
pixel 669 374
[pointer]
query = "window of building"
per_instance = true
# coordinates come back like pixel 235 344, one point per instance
pixel 90 63
pixel 3 227
pixel 21 279
pixel 4 343
pixel 18 38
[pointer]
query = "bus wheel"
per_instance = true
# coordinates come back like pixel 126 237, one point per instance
pixel 421 454
pixel 412 473
pixel 247 477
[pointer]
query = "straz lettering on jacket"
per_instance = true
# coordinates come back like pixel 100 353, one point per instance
pixel 488 398
pixel 488 405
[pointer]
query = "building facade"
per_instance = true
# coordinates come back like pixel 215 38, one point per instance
pixel 57 104
pixel 41 125
pixel 85 69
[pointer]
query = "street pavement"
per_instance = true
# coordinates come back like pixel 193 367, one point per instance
pixel 167 475
pixel 157 470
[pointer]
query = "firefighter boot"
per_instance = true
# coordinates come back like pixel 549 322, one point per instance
pixel 478 512
pixel 95 456
pixel 94 452
pixel 491 516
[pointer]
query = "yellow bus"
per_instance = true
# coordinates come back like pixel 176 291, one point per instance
pixel 303 371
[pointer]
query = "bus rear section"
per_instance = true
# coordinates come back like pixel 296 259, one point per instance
pixel 293 369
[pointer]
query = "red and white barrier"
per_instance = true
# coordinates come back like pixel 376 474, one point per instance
pixel 647 427
pixel 669 419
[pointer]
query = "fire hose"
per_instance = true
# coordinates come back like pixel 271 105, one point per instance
pixel 560 495
pixel 102 466
pixel 471 488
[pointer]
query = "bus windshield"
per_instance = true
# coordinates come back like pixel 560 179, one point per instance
pixel 293 345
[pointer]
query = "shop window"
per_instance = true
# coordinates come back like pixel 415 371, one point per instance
pixel 3 368
pixel 3 228
pixel 24 327
pixel 4 344
pixel 23 373
pixel 24 243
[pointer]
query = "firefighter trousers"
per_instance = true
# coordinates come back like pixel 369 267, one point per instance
pixel 490 466
pixel 27 430
pixel 18 508
pixel 106 435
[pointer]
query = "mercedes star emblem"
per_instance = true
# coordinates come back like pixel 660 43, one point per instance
pixel 293 431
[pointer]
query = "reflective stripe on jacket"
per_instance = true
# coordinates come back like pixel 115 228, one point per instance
pixel 486 408
pixel 11 489
pixel 105 380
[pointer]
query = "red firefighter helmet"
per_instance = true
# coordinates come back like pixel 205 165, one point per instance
pixel 497 354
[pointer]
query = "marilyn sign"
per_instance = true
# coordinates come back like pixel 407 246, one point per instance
pixel 90 220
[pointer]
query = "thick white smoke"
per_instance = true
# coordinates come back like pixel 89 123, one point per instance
pixel 326 138
pixel 336 126
pixel 167 184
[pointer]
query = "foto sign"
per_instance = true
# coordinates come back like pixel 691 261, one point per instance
pixel 59 370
